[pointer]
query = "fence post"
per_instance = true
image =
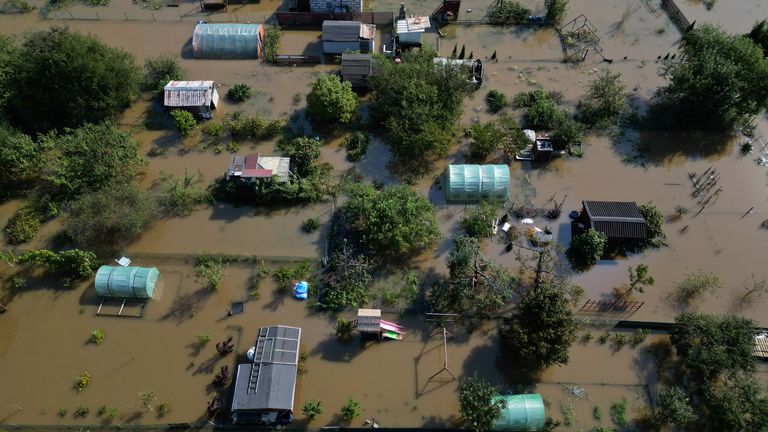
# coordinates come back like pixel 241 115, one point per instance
pixel 181 18
pixel 70 15
pixel 153 17
pixel 126 15
pixel 97 16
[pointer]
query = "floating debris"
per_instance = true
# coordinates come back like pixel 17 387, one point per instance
pixel 575 390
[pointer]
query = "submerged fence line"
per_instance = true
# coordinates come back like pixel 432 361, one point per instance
pixel 151 16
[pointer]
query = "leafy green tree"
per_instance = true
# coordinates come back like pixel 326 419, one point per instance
pixel 304 153
pixel 540 109
pixel 311 409
pixel 508 12
pixel 759 35
pixel 698 283
pixel 476 286
pixel 395 221
pixel 9 55
pixel 478 220
pixel 331 100
pixel 605 101
pixel 542 328
pixel 110 216
pixel 349 281
pixel 639 278
pixel 655 222
pixel 674 408
pixel 418 103
pixel 496 101
pixel 357 145
pixel 556 10
pixel 566 133
pixel 478 409
pixel 159 70
pixel 89 158
pixel 738 403
pixel 19 158
pixel 587 248
pixel 184 120
pixel 485 139
pixel 720 82
pixel 65 79
pixel 710 346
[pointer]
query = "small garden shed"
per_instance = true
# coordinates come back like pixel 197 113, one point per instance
pixel 341 36
pixel 126 282
pixel 477 182
pixel 227 41
pixel 357 69
pixel 620 221
pixel 198 97
pixel 523 412
pixel 255 166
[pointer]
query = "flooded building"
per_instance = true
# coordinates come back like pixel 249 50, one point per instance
pixel 255 166
pixel 265 388
pixel 620 221
pixel 357 69
pixel 471 183
pixel 409 30
pixel 198 97
pixel 348 36
pixel 227 41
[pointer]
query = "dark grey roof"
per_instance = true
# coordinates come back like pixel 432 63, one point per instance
pixel 341 30
pixel 356 64
pixel 269 382
pixel 616 219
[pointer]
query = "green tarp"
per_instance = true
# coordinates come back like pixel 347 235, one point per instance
pixel 126 282
pixel 523 412
pixel 477 182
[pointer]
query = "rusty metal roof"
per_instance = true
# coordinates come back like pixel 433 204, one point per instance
pixel 189 93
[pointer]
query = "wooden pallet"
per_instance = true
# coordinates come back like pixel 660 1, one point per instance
pixel 761 347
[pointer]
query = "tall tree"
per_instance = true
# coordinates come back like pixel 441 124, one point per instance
pixel 477 406
pixel 605 101
pixel 331 101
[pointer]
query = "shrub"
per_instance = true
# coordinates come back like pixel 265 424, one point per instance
pixel 310 225
pixel 357 145
pixel 184 120
pixel 210 269
pixel 69 264
pixel 203 339
pixel 496 101
pixel 181 196
pixel 213 129
pixel 587 248
pixel 311 409
pixel 639 336
pixel 540 109
pixel 331 101
pixel 304 153
pixel 349 280
pixel 284 275
pixel 97 337
pixel 82 381
pixel 81 411
pixel 508 12
pixel 163 409
pixel 24 224
pixel 239 93
pixel 19 156
pixel 619 413
pixel 654 220
pixel 146 398
pixel 159 70
pixel 485 139
pixel 556 10
pixel 674 407
pixel 350 410
pixel 272 43
pixel 478 220
pixel 344 328
pixel 605 102
pixel 698 283
pixel 568 132
pixel 476 405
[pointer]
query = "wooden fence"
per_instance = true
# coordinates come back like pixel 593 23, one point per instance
pixel 293 19
pixel 676 14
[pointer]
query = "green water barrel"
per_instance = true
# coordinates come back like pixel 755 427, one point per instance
pixel 523 412
pixel 126 282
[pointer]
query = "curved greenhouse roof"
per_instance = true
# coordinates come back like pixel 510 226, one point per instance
pixel 477 182
pixel 227 41
pixel 126 282
pixel 523 412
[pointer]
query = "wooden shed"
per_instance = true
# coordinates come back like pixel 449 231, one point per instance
pixel 369 320
pixel 198 97
pixel 345 36
pixel 620 221
pixel 255 166
pixel 357 69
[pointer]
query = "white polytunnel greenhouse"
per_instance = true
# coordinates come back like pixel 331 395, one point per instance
pixel 227 41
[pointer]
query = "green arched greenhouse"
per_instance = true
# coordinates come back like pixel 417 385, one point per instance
pixel 522 412
pixel 126 282
pixel 477 183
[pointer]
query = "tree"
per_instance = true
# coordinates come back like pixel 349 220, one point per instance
pixel 698 283
pixel 566 133
pixel 478 409
pixel 349 280
pixel 331 101
pixel 303 151
pixel 639 278
pixel 395 221
pixel 737 404
pixel 709 346
pixel 19 158
pixel 587 248
pixel 184 120
pixel 418 103
pixel 311 409
pixel 605 101
pixel 110 216
pixel 478 221
pixel 556 10
pixel 485 138
pixel 721 81
pixel 540 109
pixel 542 328
pixel 759 35
pixel 159 70
pixel 9 55
pixel 509 12
pixel 674 408
pixel 91 157
pixel 655 222
pixel 476 286
pixel 65 79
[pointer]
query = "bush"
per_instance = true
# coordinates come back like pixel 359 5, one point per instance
pixel 163 409
pixel 508 12
pixel 82 381
pixel 303 151
pixel 587 248
pixel 69 264
pixel 556 10
pixel 476 405
pixel 24 224
pixel 568 132
pixel 285 275
pixel 272 43
pixel 81 411
pixel 698 283
pixel 311 409
pixel 357 145
pixel 19 157
pixel 158 71
pixel 478 221
pixel 759 35
pixel 605 102
pixel 94 81
pixel 184 120
pixel 210 269
pixel 673 407
pixel 619 413
pixel 331 101
pixel 496 101
pixel 97 337
pixel 310 225
pixel 654 220
pixel 350 410
pixel 485 138
pixel 540 109
pixel 182 195
pixel 239 93
pixel 344 328
pixel 252 126
pixel 348 281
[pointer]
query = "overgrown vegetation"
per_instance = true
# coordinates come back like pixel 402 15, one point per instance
pixel 478 221
pixel 496 101
pixel 210 269
pixel 556 10
pixel 356 145
pixel 348 281
pixel 586 248
pixel 605 101
pixel 184 120
pixel 311 409
pixel 159 70
pixel 285 276
pixel 331 101
pixel 24 224
pixel 698 283
pixel 540 108
pixel 350 410
pixel 182 195
pixel 73 264
pixel 619 413
pixel 239 93
pixel 272 43
pixel 477 407
pixel 508 12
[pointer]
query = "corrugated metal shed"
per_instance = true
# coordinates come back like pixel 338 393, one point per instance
pixel 477 182
pixel 368 320
pixel 523 412
pixel 346 31
pixel 256 166
pixel 126 282
pixel 190 94
pixel 227 41
pixel 356 64
pixel 616 219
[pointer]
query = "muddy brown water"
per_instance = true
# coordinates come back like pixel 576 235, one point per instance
pixel 43 336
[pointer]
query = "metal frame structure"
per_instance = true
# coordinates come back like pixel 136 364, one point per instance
pixel 579 39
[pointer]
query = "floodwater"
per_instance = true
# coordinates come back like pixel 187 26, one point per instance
pixel 43 336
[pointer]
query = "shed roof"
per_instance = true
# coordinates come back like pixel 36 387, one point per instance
pixel 188 93
pixel 344 31
pixel 412 25
pixel 368 320
pixel 269 382
pixel 256 166
pixel 617 219
pixel 356 64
